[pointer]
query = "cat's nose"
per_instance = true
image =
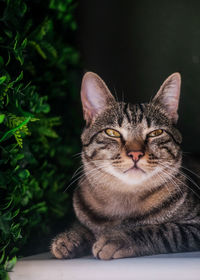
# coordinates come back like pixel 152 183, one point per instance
pixel 136 155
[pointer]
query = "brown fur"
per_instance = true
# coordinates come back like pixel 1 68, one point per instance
pixel 127 207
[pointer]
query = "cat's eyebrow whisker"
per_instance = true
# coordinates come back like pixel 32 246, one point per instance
pixel 117 99
pixel 116 96
pixel 122 96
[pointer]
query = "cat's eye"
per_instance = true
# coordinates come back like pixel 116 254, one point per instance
pixel 112 133
pixel 155 133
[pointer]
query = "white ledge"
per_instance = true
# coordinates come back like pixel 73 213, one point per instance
pixel 183 266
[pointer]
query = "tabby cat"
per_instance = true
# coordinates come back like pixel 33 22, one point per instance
pixel 134 197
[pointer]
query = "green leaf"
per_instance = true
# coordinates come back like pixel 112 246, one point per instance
pixel 19 157
pixel 16 231
pixel 24 43
pixel 16 41
pixel 8 204
pixel 19 78
pixel 38 82
pixel 1 61
pixel 23 174
pixel 2 256
pixel 38 49
pixel 49 132
pixel 15 213
pixel 2 79
pixel 2 117
pixel 19 56
pixel 8 33
pixel 23 9
pixel 10 264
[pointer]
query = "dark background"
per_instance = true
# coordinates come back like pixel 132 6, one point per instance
pixel 135 45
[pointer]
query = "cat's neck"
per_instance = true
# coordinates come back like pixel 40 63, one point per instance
pixel 112 197
pixel 117 204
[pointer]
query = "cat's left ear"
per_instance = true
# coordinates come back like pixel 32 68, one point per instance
pixel 168 96
pixel 95 96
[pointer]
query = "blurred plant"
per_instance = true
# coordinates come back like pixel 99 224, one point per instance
pixel 38 68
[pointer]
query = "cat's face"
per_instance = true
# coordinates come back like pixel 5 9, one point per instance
pixel 131 142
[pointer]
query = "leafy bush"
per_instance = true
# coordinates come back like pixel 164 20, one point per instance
pixel 38 78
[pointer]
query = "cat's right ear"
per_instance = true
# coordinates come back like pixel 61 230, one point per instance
pixel 95 96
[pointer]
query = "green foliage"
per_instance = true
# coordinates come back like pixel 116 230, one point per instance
pixel 39 126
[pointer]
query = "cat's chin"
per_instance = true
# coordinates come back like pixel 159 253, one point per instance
pixel 133 176
pixel 134 170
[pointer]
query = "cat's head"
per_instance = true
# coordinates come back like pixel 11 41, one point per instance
pixel 131 142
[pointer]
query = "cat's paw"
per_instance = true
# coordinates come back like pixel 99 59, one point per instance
pixel 112 248
pixel 65 246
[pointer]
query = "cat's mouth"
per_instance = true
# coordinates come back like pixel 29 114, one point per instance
pixel 134 168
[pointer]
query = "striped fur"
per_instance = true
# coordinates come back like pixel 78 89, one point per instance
pixel 123 212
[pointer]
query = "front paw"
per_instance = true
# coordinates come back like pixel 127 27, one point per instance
pixel 65 246
pixel 106 248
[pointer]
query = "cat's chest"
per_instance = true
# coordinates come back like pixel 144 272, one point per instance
pixel 120 205
pixel 113 204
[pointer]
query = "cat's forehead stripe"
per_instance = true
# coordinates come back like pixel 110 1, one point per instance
pixel 127 112
pixel 133 114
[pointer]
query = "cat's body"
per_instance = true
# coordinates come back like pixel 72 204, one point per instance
pixel 134 198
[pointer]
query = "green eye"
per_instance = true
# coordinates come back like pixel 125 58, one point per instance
pixel 155 133
pixel 112 133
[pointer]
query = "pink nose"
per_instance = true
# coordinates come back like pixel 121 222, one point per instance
pixel 136 155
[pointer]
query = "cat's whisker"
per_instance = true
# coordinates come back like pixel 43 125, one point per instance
pixel 78 171
pixel 86 173
pixel 172 180
pixel 100 176
pixel 198 176
pixel 186 153
pixel 187 177
pixel 77 155
pixel 165 181
pixel 185 183
pixel 72 183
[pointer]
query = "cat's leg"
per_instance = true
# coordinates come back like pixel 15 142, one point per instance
pixel 75 242
pixel 147 240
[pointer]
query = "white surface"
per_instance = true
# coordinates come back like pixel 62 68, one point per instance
pixel 160 267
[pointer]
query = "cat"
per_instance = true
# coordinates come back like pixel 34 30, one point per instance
pixel 134 198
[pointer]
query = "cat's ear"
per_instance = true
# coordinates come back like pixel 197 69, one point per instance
pixel 168 96
pixel 95 96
